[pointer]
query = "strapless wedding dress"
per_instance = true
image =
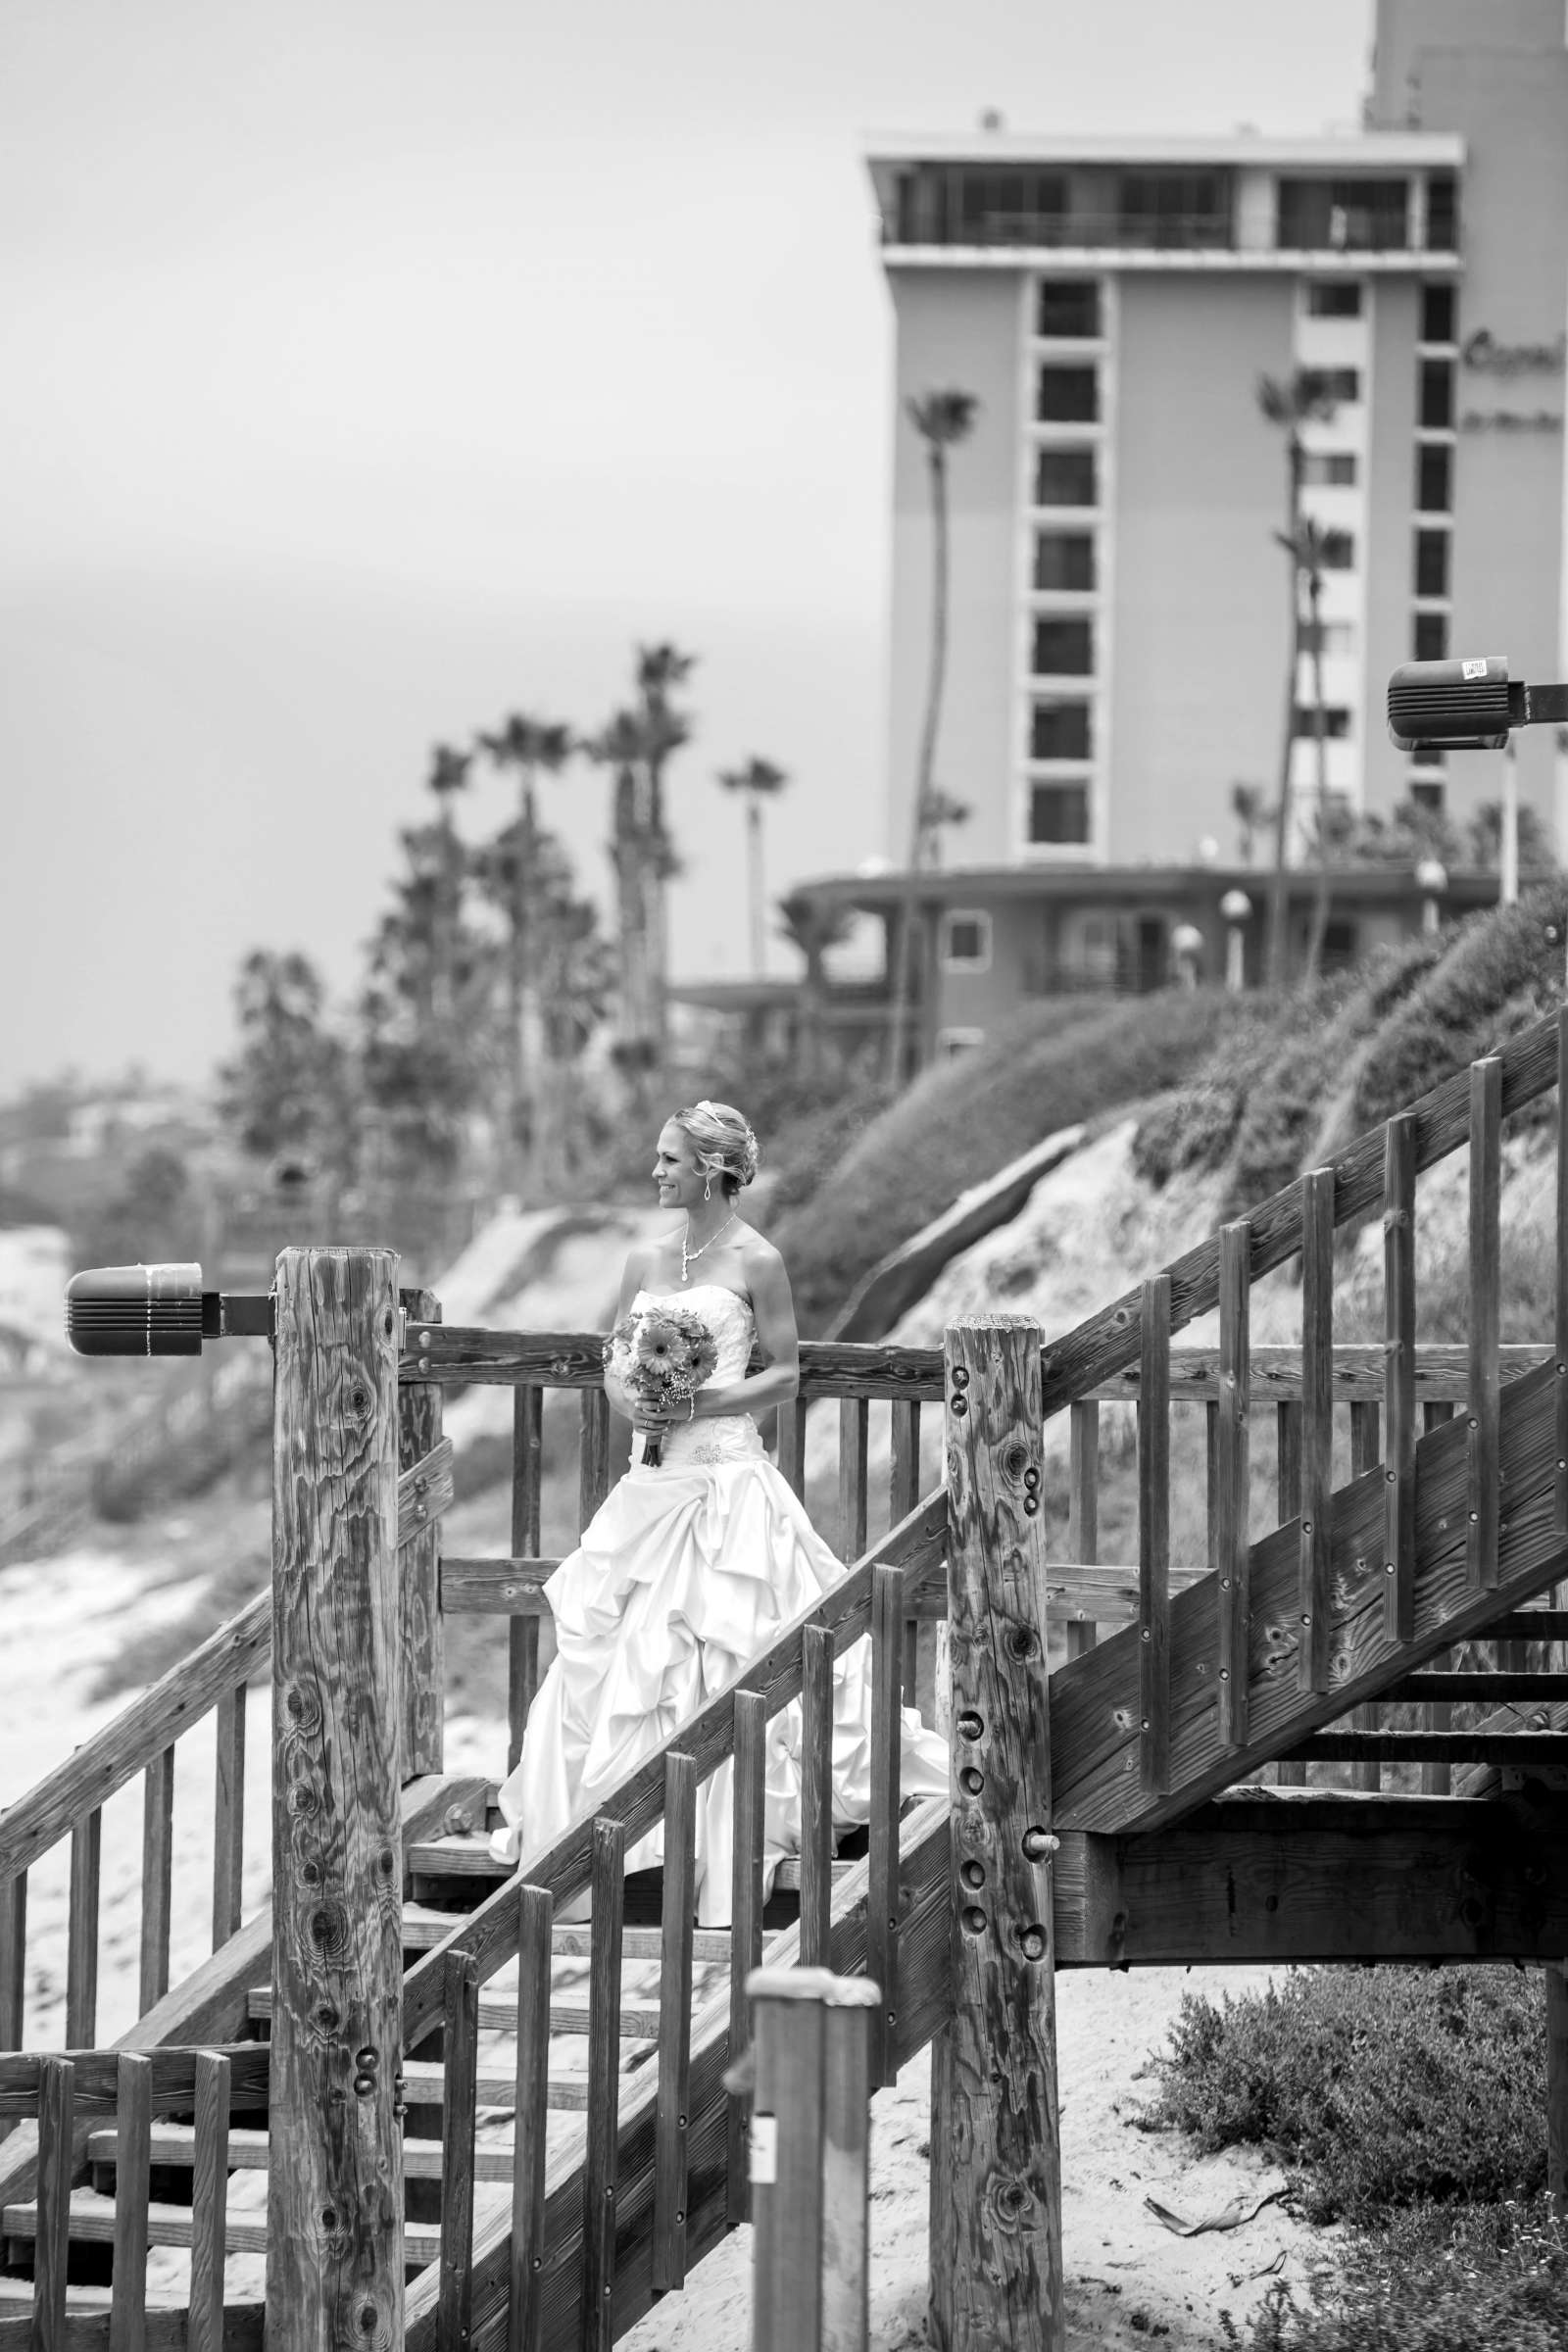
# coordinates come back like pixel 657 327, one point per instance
pixel 686 1572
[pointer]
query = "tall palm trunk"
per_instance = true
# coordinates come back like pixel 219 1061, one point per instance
pixel 1278 900
pixel 1320 755
pixel 925 763
pixel 632 915
pixel 754 879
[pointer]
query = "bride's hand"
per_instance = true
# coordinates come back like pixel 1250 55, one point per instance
pixel 649 1421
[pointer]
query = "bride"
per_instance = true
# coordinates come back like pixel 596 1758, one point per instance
pixel 693 1563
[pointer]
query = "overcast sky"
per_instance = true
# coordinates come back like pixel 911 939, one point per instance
pixel 372 368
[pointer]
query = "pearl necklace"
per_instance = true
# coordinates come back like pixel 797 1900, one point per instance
pixel 688 1255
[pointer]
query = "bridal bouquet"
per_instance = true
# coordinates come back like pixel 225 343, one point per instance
pixel 663 1356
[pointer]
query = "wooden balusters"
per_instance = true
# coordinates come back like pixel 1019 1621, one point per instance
pixel 13 1962
pixel 903 1492
pixel 792 1444
pixel 1314 1491
pixel 525 2297
pixel 157 1877
pixel 607 1908
pixel 816 1794
pixel 1365 1454
pixel 1083 1508
pixel 1399 1378
pixel 459 2118
pixel 1232 1478
pixel 1437 1715
pixel 593 1478
pixel 1486 1277
pixel 209 2203
pixel 134 2136
pixel 423 1666
pixel 56 2115
pixel 745 1922
pixel 228 1816
pixel 1562 1303
pixel 674 2022
pixel 522 1641
pixel 81 1945
pixel 1154 1539
pixel 853 1431
pixel 882 1874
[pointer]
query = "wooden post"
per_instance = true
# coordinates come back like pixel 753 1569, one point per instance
pixel 423 1663
pixel 995 2149
pixel 335 2219
pixel 810 2172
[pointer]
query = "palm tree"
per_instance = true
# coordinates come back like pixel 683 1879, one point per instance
pixel 1287 406
pixel 448 776
pixel 661 668
pixel 1307 553
pixel 531 745
pixel 623 745
pixel 758 781
pixel 942 420
pixel 1250 813
pixel 812 928
pixel 940 810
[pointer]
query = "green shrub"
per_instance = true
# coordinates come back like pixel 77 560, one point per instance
pixel 1382 2087
pixel 1490 2279
pixel 1054 1064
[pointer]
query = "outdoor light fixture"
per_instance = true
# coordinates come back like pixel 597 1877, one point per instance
pixel 156 1311
pixel 1467 706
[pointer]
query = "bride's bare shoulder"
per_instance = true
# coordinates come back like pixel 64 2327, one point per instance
pixel 760 1257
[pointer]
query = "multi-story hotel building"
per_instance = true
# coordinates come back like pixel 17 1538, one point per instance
pixel 1119 626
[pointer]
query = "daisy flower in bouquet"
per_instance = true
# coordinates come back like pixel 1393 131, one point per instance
pixel 662 1357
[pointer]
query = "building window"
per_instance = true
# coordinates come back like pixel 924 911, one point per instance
pixel 1430 637
pixel 1068 308
pixel 1443 213
pixel 952 1041
pixel 1328 637
pixel 966 941
pixel 1433 477
pixel 1173 208
pixel 1432 563
pixel 1436 408
pixel 1326 469
pixel 1336 721
pixel 1334 297
pixel 1437 315
pixel 1338 386
pixel 1064 559
pixel 1010 208
pixel 1428 793
pixel 1337 551
pixel 1064 477
pixel 1064 646
pixel 1344 215
pixel 1058 814
pixel 1067 396
pixel 1060 731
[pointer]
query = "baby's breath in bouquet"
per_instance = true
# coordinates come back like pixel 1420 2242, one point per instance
pixel 662 1356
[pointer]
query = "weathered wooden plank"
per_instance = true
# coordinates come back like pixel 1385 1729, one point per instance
pixel 848 2014
pixel 460 2119
pixel 127 1745
pixel 174 2078
pixel 1233 1478
pixel 1095 1748
pixel 13 1960
pixel 916 1543
pixel 817 1793
pixel 903 1492
pixel 675 2022
pixel 1083 1508
pixel 882 1879
pixel 334 2219
pixel 1560 1333
pixel 1365 1457
pixel 854 1434
pixel 423 1663
pixel 525 2304
pixel 1450 1747
pixel 598 2170
pixel 157 1878
pixel 995 2134
pixel 522 1641
pixel 1312 1500
pixel 133 2126
pixel 1318 1876
pixel 593 1480
pixel 749 1736
pixel 1154 1536
pixel 496 1588
pixel 209 2200
pixel 86 2330
pixel 52 2251
pixel 1398 1393
pixel 1107 1342
pixel 425 1491
pixel 81 1934
pixel 787 2185
pixel 1484 1286
pixel 792 1444
pixel 228 1816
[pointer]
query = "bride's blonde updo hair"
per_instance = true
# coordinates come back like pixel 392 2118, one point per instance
pixel 722 1143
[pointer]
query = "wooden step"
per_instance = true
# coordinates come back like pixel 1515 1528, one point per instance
pixel 1447 1688
pixel 424 2086
pixel 423 1928
pixel 498 2015
pixel 1517 1748
pixel 174 2144
pixel 92 2219
pixel 472 1858
pixel 1525 1625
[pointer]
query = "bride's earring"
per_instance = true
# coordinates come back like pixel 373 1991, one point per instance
pixel 708 1186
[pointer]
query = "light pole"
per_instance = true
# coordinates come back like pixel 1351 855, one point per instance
pixel 1237 908
pixel 1187 946
pixel 1432 880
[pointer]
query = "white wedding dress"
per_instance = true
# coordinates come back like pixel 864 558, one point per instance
pixel 685 1573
